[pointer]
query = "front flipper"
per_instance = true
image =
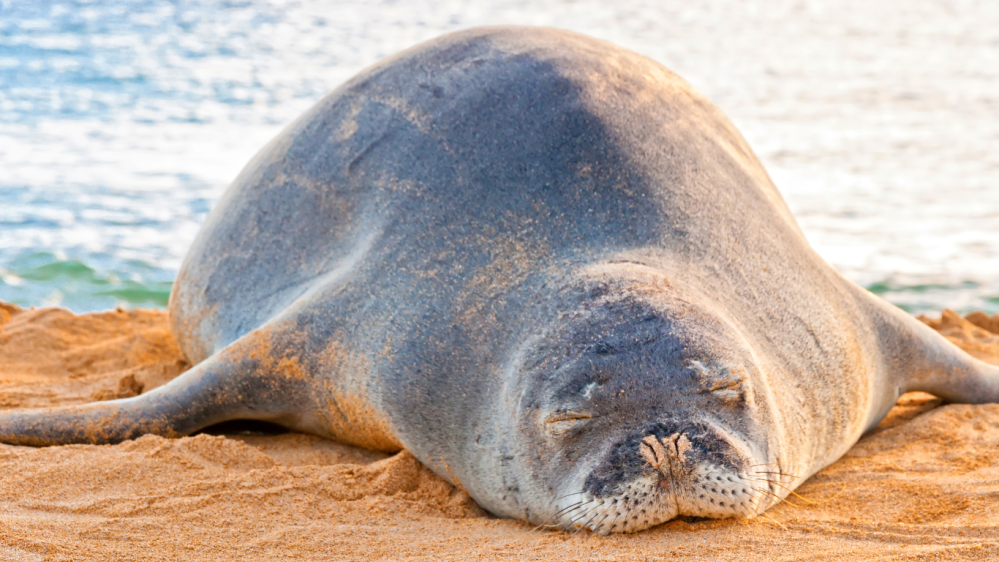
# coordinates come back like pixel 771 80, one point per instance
pixel 239 382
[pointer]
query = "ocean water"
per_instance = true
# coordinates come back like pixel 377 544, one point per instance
pixel 121 123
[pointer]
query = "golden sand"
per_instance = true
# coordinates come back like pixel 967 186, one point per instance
pixel 924 485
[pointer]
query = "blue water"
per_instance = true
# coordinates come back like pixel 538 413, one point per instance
pixel 121 123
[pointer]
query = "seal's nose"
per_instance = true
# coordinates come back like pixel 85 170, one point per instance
pixel 652 450
pixel 659 451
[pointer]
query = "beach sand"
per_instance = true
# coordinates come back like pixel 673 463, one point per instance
pixel 924 485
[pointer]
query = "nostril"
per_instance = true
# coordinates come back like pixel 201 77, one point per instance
pixel 652 451
pixel 677 445
pixel 648 454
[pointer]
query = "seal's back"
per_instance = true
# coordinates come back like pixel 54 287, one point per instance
pixel 477 160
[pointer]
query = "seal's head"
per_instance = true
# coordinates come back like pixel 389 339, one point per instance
pixel 639 404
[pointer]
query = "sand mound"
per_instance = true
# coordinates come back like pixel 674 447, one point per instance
pixel 923 485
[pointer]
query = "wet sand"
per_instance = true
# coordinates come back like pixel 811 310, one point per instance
pixel 924 485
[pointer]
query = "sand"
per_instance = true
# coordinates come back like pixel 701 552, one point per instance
pixel 924 485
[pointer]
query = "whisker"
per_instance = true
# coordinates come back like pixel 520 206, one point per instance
pixel 579 516
pixel 806 500
pixel 567 509
pixel 767 480
pixel 600 525
pixel 767 493
pixel 775 521
pixel 614 521
pixel 558 514
pixel 776 497
pixel 819 502
pixel 578 528
pixel 780 473
pixel 588 522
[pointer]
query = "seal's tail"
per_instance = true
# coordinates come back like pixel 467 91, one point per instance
pixel 227 386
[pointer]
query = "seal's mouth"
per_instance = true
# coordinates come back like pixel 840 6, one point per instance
pixel 665 471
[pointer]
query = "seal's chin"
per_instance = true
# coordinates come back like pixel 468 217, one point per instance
pixel 696 472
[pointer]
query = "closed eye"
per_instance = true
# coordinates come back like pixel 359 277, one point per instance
pixel 560 423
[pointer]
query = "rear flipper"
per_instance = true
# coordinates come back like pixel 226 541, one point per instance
pixel 238 382
pixel 921 359
pixel 950 373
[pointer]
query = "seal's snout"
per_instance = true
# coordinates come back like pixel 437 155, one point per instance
pixel 659 451
pixel 666 470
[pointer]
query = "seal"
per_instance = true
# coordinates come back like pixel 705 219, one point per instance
pixel 551 270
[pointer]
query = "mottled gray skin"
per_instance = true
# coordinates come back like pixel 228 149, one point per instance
pixel 551 270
